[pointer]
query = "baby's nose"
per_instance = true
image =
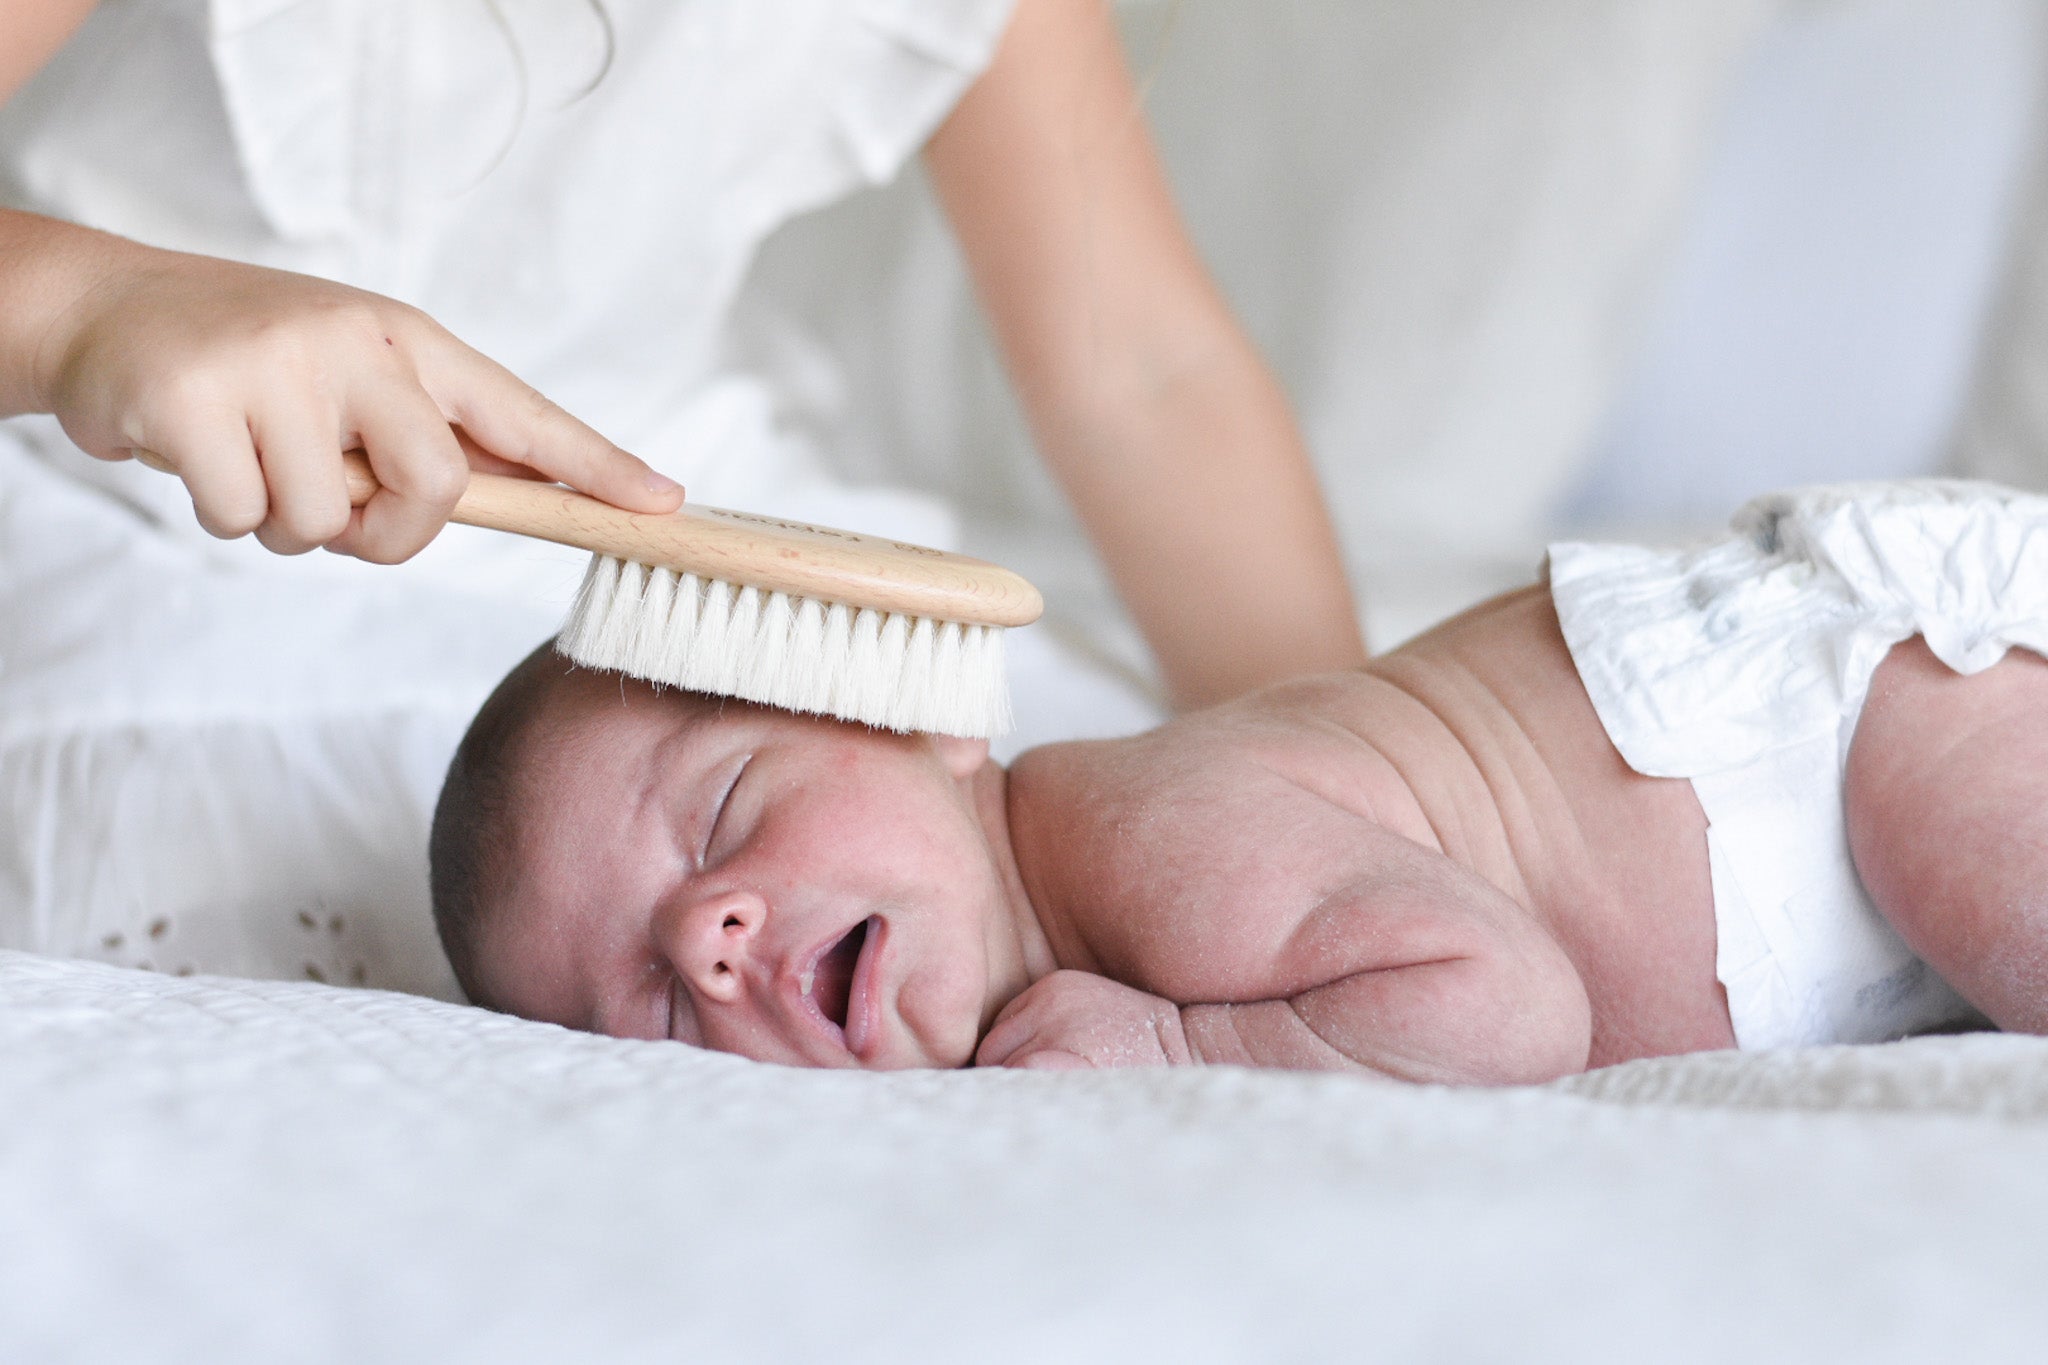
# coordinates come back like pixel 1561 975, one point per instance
pixel 710 941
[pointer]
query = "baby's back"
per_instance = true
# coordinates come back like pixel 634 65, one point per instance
pixel 1234 853
pixel 1515 771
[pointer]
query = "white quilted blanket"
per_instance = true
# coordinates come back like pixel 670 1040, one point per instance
pixel 219 1170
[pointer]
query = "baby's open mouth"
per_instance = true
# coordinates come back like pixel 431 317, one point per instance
pixel 832 979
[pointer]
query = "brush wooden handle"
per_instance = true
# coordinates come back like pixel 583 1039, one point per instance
pixel 791 557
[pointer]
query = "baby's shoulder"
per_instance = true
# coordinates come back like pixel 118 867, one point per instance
pixel 1348 742
pixel 1309 747
pixel 1199 846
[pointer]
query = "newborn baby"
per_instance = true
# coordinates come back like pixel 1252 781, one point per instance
pixel 1791 788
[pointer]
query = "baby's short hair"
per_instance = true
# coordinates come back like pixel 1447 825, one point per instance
pixel 472 851
pixel 474 832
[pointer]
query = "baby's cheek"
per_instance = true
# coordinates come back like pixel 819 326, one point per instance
pixel 751 1038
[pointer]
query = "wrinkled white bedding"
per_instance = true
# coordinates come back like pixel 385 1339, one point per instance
pixel 208 1169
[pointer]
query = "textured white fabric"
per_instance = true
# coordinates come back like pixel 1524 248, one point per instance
pixel 205 767
pixel 228 1171
pixel 1744 665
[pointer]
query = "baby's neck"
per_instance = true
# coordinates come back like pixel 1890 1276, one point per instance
pixel 1019 952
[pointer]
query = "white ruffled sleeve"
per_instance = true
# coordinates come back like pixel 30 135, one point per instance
pixel 909 63
pixel 881 77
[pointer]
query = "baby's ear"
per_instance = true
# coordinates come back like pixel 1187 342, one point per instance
pixel 962 757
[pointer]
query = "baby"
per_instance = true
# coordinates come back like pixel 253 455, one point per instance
pixel 1791 788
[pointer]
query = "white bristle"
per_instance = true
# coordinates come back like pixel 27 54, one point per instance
pixel 892 671
pixel 742 638
pixel 799 681
pixel 672 636
pixel 917 665
pixel 830 683
pixel 707 662
pixel 659 595
pixel 871 678
pixel 762 671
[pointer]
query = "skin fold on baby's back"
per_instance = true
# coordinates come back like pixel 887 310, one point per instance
pixel 1615 862
pixel 1476 740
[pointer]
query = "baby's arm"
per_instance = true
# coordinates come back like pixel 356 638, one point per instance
pixel 1147 402
pixel 1274 876
pixel 1422 972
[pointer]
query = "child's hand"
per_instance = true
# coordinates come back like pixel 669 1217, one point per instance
pixel 250 383
pixel 1078 1019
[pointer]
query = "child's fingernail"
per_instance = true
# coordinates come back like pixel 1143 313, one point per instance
pixel 662 483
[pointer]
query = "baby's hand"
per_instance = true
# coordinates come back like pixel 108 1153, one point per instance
pixel 250 383
pixel 1078 1019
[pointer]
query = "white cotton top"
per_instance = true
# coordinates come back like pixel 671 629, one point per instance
pixel 585 225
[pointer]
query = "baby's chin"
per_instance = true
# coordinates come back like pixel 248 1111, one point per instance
pixel 951 1050
pixel 941 1029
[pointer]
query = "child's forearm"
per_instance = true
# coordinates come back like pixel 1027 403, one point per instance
pixel 1149 405
pixel 1193 483
pixel 46 268
pixel 35 30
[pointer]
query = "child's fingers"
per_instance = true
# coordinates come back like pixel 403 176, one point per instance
pixel 421 474
pixel 481 461
pixel 513 421
pixel 217 461
pixel 1052 1059
pixel 300 449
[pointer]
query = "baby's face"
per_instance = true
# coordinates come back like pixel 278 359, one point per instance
pixel 792 889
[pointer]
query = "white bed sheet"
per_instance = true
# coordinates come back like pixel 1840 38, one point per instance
pixel 222 1170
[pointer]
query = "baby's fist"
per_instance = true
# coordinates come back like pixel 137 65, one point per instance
pixel 1078 1019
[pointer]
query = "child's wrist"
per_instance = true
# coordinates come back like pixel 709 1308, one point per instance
pixel 72 296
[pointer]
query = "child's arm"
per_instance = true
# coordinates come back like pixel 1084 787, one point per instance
pixel 250 383
pixel 34 30
pixel 1150 406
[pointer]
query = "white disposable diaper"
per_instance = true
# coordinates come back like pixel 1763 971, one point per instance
pixel 1743 667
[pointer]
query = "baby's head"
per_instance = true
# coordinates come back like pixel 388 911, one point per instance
pixel 659 864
